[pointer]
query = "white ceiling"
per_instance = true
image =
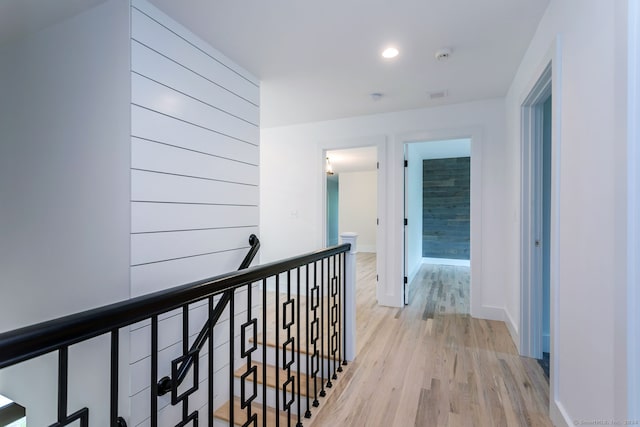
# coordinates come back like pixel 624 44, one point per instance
pixel 321 60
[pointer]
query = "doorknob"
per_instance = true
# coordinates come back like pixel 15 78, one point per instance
pixel 537 243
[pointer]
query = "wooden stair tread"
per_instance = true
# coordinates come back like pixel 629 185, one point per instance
pixel 271 377
pixel 240 415
pixel 271 342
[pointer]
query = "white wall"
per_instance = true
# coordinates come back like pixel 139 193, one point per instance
pixel 292 191
pixel 587 40
pixel 358 207
pixel 64 186
pixel 194 184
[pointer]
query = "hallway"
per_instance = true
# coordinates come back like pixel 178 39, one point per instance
pixel 431 364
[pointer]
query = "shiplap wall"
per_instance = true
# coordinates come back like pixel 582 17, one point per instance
pixel 194 187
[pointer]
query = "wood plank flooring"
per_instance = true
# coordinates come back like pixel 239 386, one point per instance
pixel 431 364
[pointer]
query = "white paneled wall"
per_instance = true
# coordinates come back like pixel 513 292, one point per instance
pixel 194 190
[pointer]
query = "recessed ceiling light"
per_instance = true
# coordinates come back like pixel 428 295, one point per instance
pixel 390 52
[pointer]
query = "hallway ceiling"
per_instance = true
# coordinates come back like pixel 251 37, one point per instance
pixel 321 60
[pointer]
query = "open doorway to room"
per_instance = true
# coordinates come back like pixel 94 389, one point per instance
pixel 437 188
pixel 537 211
pixel 352 196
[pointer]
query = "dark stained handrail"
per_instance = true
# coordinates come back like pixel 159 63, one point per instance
pixel 36 340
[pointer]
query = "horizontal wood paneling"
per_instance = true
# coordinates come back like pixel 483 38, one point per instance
pixel 194 190
pixel 148 124
pixel 161 98
pixel 446 208
pixel 185 51
pixel 154 277
pixel 158 217
pixel 152 156
pixel 162 187
pixel 158 67
pixel 157 247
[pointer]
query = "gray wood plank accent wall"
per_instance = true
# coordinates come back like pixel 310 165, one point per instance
pixel 194 188
pixel 446 208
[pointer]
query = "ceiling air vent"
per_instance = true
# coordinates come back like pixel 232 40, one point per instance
pixel 438 94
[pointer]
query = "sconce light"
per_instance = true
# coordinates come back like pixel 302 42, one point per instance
pixel 328 168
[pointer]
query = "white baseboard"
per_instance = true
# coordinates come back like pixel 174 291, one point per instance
pixel 512 326
pixel 367 248
pixel 500 314
pixel 447 261
pixel 488 313
pixel 559 416
pixel 412 274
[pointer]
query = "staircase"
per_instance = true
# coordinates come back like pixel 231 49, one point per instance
pixel 265 382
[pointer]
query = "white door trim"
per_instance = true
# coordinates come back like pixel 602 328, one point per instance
pixel 475 134
pixel 380 142
pixel 633 212
pixel 531 225
pixel 552 59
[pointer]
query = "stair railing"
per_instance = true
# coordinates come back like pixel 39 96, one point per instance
pixel 306 303
pixel 167 384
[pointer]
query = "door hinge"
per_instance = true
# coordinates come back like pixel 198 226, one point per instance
pixel 406 221
pixel 377 165
pixel 377 221
pixel 406 163
pixel 377 278
pixel 405 280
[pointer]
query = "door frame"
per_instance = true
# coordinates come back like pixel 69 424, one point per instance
pixel 475 134
pixel 380 142
pixel 551 61
pixel 631 295
pixel 531 208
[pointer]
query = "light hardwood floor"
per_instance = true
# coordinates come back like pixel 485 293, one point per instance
pixel 431 364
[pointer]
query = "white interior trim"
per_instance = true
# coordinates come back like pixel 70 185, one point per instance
pixel 633 212
pixel 476 135
pixel 552 59
pixel 380 142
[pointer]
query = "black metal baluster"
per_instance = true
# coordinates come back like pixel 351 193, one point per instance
pixel 288 351
pixel 315 333
pixel 154 370
pixel 114 377
pixel 299 388
pixel 249 355
pixel 309 301
pixel 321 360
pixel 287 364
pixel 264 352
pixel 334 318
pixel 343 278
pixel 211 365
pixel 231 354
pixel 340 305
pixel 251 370
pixel 63 374
pixel 185 350
pixel 277 349
pixel 328 331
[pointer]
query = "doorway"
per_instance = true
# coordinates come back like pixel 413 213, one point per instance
pixel 537 179
pixel 437 211
pixel 352 195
